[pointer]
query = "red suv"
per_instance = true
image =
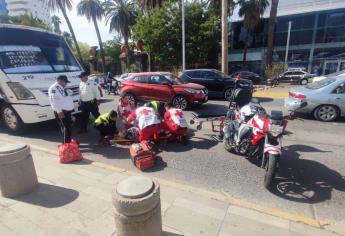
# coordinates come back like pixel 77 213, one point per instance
pixel 164 87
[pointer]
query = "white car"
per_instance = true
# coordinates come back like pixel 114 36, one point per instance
pixel 336 74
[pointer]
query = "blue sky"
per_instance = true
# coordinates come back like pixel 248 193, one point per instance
pixel 85 31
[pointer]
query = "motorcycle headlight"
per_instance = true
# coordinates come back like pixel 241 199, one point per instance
pixel 276 130
pixel 190 90
pixel 20 91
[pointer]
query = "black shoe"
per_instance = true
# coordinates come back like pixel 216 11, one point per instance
pixel 82 131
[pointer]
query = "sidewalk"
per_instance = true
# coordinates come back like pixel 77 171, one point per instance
pixel 75 199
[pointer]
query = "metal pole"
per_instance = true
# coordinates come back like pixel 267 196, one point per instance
pixel 225 36
pixel 149 60
pixel 183 40
pixel 287 46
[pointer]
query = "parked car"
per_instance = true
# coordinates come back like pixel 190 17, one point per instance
pixel 295 76
pixel 325 99
pixel 164 87
pixel 218 84
pixel 255 78
pixel 321 77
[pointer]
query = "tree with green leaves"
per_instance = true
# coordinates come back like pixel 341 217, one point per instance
pixel 56 23
pixel 63 6
pixel 251 11
pixel 68 38
pixel 160 31
pixel 28 20
pixel 121 16
pixel 271 28
pixel 92 10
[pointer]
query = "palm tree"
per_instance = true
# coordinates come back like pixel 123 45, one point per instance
pixel 92 10
pixel 56 23
pixel 63 5
pixel 68 38
pixel 149 4
pixel 271 28
pixel 121 15
pixel 251 10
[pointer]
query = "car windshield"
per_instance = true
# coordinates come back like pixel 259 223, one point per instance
pixel 320 84
pixel 174 79
pixel 40 53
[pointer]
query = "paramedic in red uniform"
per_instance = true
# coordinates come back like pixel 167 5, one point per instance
pixel 148 122
pixel 124 109
pixel 174 121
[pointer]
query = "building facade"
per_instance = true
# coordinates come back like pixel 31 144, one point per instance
pixel 3 8
pixel 317 37
pixel 38 8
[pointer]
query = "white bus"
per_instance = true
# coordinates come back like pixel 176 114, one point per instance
pixel 30 61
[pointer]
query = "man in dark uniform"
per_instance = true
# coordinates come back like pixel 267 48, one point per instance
pixel 62 104
pixel 89 100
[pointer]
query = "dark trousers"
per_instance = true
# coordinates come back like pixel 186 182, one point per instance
pixel 87 108
pixel 65 125
pixel 106 130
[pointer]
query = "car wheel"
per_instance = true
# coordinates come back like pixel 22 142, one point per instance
pixel 11 120
pixel 326 113
pixel 304 82
pixel 131 98
pixel 180 102
pixel 227 94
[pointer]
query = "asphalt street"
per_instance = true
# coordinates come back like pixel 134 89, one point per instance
pixel 312 177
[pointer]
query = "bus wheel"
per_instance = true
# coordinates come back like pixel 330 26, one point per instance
pixel 11 120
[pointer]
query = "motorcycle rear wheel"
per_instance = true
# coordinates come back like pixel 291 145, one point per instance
pixel 271 168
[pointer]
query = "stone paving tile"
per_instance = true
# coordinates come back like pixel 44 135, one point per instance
pixel 4 230
pixel 308 230
pixel 104 194
pixel 104 225
pixel 200 208
pixel 167 231
pixel 242 222
pixel 190 222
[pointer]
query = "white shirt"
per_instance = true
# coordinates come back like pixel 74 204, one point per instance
pixel 146 116
pixel 178 118
pixel 89 91
pixel 59 99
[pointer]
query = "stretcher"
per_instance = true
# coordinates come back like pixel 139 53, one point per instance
pixel 216 120
pixel 119 139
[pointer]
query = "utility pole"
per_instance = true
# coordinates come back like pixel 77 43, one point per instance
pixel 287 46
pixel 183 40
pixel 225 39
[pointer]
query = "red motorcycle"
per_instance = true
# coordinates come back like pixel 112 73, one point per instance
pixel 259 137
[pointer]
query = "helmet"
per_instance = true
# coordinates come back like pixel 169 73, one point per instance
pixel 248 111
pixel 242 96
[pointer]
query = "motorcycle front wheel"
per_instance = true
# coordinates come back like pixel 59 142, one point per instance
pixel 228 146
pixel 271 168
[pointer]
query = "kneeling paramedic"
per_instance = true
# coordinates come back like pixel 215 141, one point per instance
pixel 106 125
pixel 174 121
pixel 148 122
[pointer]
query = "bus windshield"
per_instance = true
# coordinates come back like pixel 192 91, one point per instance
pixel 41 52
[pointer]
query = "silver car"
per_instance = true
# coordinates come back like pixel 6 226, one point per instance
pixel 325 99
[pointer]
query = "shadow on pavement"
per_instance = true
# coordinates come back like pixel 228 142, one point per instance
pixel 265 99
pixel 49 196
pixel 165 233
pixel 195 143
pixel 306 181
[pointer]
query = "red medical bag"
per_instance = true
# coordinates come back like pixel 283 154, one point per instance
pixel 142 155
pixel 69 152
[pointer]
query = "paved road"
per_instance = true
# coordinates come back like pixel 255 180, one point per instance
pixel 313 166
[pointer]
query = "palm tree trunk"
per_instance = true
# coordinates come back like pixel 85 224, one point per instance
pixel 72 32
pixel 99 42
pixel 127 54
pixel 271 28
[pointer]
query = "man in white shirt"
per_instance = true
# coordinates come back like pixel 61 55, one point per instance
pixel 89 100
pixel 62 104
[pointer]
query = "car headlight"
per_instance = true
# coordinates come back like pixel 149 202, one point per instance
pixel 276 130
pixel 190 90
pixel 20 91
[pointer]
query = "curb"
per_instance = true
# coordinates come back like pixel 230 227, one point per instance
pixel 223 197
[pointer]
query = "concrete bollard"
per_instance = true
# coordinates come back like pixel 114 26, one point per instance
pixel 137 208
pixel 17 170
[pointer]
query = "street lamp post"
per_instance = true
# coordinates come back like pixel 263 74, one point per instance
pixel 287 46
pixel 183 39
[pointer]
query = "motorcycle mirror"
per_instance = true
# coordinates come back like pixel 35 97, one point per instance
pixel 255 100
